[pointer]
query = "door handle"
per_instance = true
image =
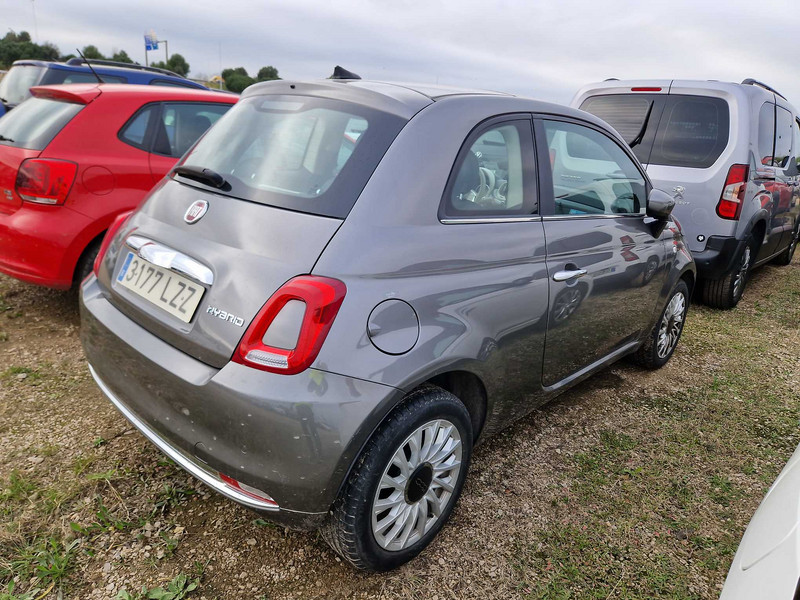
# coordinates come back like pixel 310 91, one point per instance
pixel 567 275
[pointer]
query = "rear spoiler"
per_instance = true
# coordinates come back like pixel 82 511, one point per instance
pixel 81 94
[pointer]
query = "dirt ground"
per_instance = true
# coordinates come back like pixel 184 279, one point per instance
pixel 632 485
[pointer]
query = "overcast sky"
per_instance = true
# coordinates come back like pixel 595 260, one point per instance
pixel 541 49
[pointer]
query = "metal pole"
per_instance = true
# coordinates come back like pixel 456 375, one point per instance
pixel 35 24
pixel 146 64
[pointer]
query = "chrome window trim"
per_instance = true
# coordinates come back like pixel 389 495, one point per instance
pixel 603 216
pixel 171 259
pixel 473 220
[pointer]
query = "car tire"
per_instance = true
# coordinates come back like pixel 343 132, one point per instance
pixel 726 292
pixel 661 342
pixel 376 523
pixel 785 257
pixel 86 261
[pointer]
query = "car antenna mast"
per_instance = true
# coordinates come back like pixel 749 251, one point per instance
pixel 88 64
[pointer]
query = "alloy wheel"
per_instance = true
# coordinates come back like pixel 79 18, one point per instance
pixel 671 325
pixel 417 485
pixel 741 274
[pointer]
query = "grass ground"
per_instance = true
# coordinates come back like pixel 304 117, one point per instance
pixel 633 485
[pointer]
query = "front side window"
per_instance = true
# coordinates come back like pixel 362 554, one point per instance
pixel 592 174
pixel 182 124
pixel 303 153
pixel 492 173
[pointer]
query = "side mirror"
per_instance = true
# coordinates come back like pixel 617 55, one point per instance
pixel 792 169
pixel 659 204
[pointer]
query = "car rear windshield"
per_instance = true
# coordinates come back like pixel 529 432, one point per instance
pixel 673 130
pixel 35 122
pixel 303 153
pixel 16 83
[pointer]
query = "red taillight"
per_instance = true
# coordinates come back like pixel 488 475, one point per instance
pixel 110 232
pixel 322 297
pixel 730 202
pixel 646 89
pixel 45 180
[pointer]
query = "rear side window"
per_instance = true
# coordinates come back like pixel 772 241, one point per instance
pixel 181 125
pixel 169 83
pixel 57 76
pixel 134 132
pixel 494 173
pixel 298 152
pixel 783 137
pixel 35 122
pixel 693 132
pixel 766 134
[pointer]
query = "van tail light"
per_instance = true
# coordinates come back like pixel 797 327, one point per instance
pixel 732 198
pixel 45 180
pixel 288 332
pixel 110 233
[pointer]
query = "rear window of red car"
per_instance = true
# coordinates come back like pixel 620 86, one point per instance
pixel 34 123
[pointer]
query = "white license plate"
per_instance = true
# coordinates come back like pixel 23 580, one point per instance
pixel 175 294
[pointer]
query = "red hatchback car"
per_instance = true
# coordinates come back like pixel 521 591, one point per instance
pixel 73 157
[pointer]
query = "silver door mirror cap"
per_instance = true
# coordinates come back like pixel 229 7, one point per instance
pixel 659 204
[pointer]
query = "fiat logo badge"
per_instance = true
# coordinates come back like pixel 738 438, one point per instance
pixel 196 211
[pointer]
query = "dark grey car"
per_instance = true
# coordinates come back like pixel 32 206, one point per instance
pixel 345 285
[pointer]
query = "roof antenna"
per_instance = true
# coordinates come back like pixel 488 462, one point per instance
pixel 342 73
pixel 88 64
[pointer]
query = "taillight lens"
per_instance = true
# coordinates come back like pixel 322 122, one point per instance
pixel 285 337
pixel 732 198
pixel 110 233
pixel 45 180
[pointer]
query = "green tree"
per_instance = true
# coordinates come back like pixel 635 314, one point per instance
pixel 16 46
pixel 91 51
pixel 267 73
pixel 121 56
pixel 175 63
pixel 237 82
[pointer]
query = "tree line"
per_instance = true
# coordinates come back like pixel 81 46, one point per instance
pixel 18 46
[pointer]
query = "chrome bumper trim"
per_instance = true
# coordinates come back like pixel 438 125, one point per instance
pixel 201 471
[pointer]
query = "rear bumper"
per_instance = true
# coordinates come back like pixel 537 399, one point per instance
pixel 291 437
pixel 718 257
pixel 36 243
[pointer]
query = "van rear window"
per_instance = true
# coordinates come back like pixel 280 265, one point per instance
pixel 303 153
pixel 674 130
pixel 693 132
pixel 35 122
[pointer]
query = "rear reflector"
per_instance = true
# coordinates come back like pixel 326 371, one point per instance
pixel 646 89
pixel 303 328
pixel 110 233
pixel 247 490
pixel 45 180
pixel 732 197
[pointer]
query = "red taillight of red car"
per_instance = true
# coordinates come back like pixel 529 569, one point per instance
pixel 45 180
pixel 288 332
pixel 110 233
pixel 730 202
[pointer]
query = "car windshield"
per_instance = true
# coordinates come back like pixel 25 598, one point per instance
pixel 35 122
pixel 303 153
pixel 16 83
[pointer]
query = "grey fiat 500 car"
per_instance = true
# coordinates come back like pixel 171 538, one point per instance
pixel 345 285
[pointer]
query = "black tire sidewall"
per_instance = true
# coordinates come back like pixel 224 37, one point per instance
pixel 430 406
